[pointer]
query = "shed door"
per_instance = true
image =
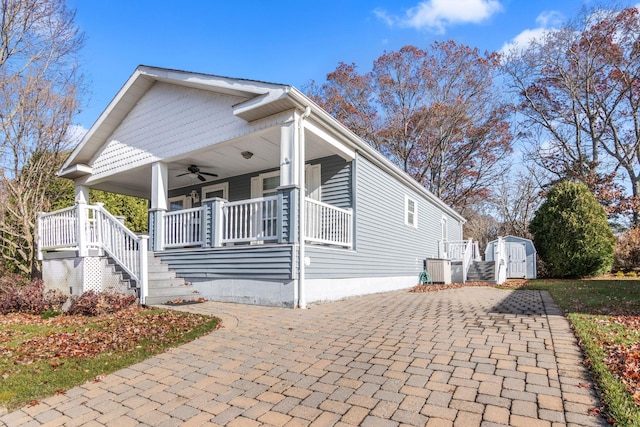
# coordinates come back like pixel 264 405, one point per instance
pixel 517 264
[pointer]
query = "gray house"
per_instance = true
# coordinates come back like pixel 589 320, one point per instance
pixel 520 254
pixel 255 195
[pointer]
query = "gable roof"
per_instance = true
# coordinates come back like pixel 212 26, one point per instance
pixel 259 99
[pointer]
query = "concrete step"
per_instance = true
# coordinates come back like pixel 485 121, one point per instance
pixel 481 271
pixel 164 286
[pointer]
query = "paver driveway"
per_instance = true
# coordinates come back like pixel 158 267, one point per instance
pixel 469 356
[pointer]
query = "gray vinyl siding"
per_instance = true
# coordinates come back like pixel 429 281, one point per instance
pixel 384 245
pixel 335 181
pixel 264 262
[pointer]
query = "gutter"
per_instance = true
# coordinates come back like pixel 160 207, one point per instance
pixel 302 303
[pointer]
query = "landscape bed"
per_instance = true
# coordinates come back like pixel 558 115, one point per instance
pixel 41 357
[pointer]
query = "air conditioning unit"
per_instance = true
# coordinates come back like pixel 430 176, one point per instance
pixel 440 270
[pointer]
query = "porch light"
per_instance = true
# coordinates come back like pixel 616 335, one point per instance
pixel 247 154
pixel 195 197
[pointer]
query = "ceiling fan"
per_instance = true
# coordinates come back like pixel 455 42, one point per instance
pixel 194 171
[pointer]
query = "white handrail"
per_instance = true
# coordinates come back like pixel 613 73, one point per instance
pixel 500 258
pixel 253 220
pixel 455 249
pixel 183 228
pixel 108 233
pixel 92 227
pixel 57 229
pixel 466 260
pixel 328 224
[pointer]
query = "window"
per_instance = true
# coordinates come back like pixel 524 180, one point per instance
pixel 410 212
pixel 266 184
pixel 216 190
pixel 178 203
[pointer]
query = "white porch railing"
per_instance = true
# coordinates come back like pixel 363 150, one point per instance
pixel 253 220
pixel 58 229
pixel 84 227
pixel 183 228
pixel 500 258
pixel 328 224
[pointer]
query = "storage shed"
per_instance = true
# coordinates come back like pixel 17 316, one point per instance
pixel 521 257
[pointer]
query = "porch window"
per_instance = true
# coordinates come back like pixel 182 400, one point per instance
pixel 177 203
pixel 410 212
pixel 216 190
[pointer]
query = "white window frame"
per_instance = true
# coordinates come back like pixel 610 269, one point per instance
pixel 186 201
pixel 414 223
pixel 444 228
pixel 224 186
pixel 257 183
pixel 313 181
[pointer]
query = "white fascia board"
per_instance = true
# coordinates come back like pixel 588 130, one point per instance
pixel 346 152
pixel 211 82
pixel 262 99
pixel 75 171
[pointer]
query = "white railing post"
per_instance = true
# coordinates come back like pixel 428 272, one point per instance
pixel 500 260
pixel 39 230
pixel 216 222
pixel 143 268
pixel 466 259
pixel 442 253
pixel 81 236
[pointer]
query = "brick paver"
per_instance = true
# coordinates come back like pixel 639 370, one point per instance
pixel 460 357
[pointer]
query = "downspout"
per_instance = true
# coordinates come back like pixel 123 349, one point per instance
pixel 302 303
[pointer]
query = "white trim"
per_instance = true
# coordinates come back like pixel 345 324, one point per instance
pixel 257 183
pixel 313 181
pixel 184 199
pixel 224 186
pixel 407 211
pixel 345 152
pixel 444 228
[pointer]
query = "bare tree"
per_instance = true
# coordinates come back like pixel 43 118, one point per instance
pixel 434 112
pixel 516 200
pixel 579 95
pixel 39 91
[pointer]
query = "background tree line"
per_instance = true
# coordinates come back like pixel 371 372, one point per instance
pixel 449 115
pixel 41 88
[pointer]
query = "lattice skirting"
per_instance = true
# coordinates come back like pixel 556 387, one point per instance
pixel 73 276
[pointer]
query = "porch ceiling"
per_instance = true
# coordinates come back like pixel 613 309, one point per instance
pixel 224 159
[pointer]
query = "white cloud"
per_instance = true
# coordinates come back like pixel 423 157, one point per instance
pixel 436 15
pixel 75 133
pixel 547 21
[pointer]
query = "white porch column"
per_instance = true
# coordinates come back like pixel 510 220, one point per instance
pixel 159 201
pixel 289 167
pixel 82 200
pixel 159 185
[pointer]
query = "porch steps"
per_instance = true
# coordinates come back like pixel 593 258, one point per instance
pixel 164 286
pixel 481 271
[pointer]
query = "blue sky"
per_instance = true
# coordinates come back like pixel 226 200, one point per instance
pixel 290 42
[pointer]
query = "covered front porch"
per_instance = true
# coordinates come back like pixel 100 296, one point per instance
pixel 245 193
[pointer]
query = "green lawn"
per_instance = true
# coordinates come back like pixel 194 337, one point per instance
pixel 605 315
pixel 41 357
